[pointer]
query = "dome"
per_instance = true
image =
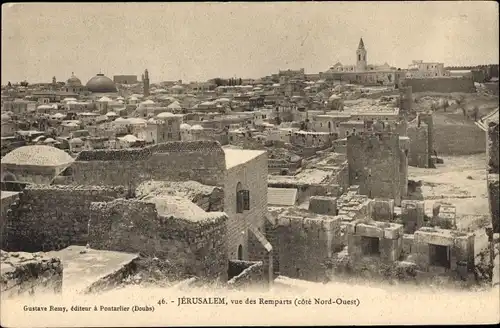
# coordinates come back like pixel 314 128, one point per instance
pixel 197 127
pixel 174 105
pixel 40 155
pixel 101 84
pixel 76 141
pixel 108 114
pixel 104 99
pixel 73 81
pixel 49 140
pixel 165 114
pixel 185 126
pixel 5 117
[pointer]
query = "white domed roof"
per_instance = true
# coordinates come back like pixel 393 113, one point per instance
pixel 334 97
pixel 147 102
pixel 37 155
pixel 49 140
pixel 108 114
pixel 5 117
pixel 105 99
pixel 73 81
pixel 185 126
pixel 197 127
pixel 129 138
pixel 76 141
pixel 165 114
pixel 174 105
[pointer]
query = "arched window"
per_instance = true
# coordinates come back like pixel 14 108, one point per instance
pixel 240 252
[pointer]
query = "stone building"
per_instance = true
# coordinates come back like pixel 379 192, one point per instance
pixel 38 164
pixel 104 186
pixel 420 69
pixel 378 164
pixel 363 73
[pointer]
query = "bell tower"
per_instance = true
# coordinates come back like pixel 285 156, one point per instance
pixel 145 80
pixel 361 57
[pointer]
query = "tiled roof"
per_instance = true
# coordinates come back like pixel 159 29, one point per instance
pixel 281 196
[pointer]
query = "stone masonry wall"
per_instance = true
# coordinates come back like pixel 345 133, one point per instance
pixel 492 149
pixel 201 161
pixel 250 276
pixel 374 163
pixel 445 85
pixel 493 196
pixel 458 139
pixel 29 273
pixel 305 245
pixel 253 177
pixel 195 247
pixel 260 249
pixel 493 174
pixel 51 217
pixel 419 152
pixel 390 237
pixel 461 248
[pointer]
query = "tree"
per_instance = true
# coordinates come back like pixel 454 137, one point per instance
pixel 240 82
pixel 278 120
pixel 9 84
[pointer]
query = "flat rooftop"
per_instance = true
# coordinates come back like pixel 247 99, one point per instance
pixel 7 194
pixel 83 267
pixel 235 157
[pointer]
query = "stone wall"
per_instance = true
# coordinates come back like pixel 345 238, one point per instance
pixel 208 198
pixel 412 214
pixel 492 148
pixel 493 174
pixel 493 196
pixel 458 139
pixel 195 247
pixel 29 273
pixel 52 217
pixel 389 236
pixel 8 199
pixel 252 176
pixel 382 209
pixel 260 249
pixel 201 161
pixel 419 153
pixel 461 248
pixel 245 274
pixel 445 85
pixel 374 163
pixel 305 245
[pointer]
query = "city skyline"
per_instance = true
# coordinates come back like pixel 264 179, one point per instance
pixel 196 42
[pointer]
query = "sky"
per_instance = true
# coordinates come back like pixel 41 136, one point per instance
pixel 199 41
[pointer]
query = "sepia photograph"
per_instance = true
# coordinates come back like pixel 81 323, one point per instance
pixel 294 163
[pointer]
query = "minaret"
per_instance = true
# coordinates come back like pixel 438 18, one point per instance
pixel 361 57
pixel 54 83
pixel 145 81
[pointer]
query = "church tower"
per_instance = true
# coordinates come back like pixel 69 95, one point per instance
pixel 145 80
pixel 361 57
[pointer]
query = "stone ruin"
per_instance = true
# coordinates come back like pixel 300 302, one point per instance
pixel 29 274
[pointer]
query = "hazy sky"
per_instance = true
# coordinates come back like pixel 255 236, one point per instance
pixel 198 41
